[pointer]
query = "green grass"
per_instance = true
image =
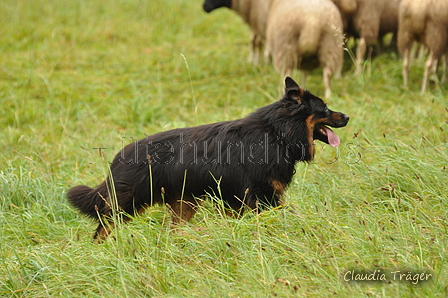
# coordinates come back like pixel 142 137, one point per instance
pixel 78 75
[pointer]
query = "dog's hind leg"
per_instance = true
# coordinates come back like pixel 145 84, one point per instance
pixel 120 207
pixel 103 231
pixel 106 224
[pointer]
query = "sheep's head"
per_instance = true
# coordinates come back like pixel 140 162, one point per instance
pixel 210 5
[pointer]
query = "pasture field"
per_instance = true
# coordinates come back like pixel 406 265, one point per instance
pixel 80 75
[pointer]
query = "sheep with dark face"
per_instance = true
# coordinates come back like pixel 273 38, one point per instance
pixel 254 13
pixel 306 34
pixel 424 21
pixel 368 20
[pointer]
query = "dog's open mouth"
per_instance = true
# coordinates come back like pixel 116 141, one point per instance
pixel 326 135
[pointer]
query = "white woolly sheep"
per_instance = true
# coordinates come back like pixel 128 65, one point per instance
pixel 304 34
pixel 425 21
pixel 254 13
pixel 368 20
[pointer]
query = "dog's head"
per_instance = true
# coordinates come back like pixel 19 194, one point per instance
pixel 318 118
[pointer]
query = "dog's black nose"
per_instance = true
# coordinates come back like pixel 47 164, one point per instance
pixel 346 117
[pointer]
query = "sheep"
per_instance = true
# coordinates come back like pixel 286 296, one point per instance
pixel 255 14
pixel 303 34
pixel 368 20
pixel 425 21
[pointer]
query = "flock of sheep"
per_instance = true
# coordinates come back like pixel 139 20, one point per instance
pixel 305 34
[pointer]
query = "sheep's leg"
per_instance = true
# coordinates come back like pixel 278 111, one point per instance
pixel 252 48
pixel 380 45
pixel 429 66
pixel 421 52
pixel 360 52
pixel 433 71
pixel 327 81
pixel 304 75
pixel 405 71
pixel 267 55
pixel 444 57
pixel 256 48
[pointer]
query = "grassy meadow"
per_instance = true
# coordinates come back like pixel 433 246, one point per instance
pixel 80 75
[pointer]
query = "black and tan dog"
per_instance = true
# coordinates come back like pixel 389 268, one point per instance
pixel 246 162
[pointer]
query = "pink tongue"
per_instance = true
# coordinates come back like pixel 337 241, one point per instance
pixel 333 139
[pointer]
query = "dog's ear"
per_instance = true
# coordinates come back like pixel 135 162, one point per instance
pixel 292 90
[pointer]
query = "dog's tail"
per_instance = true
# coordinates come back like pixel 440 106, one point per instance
pixel 92 202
